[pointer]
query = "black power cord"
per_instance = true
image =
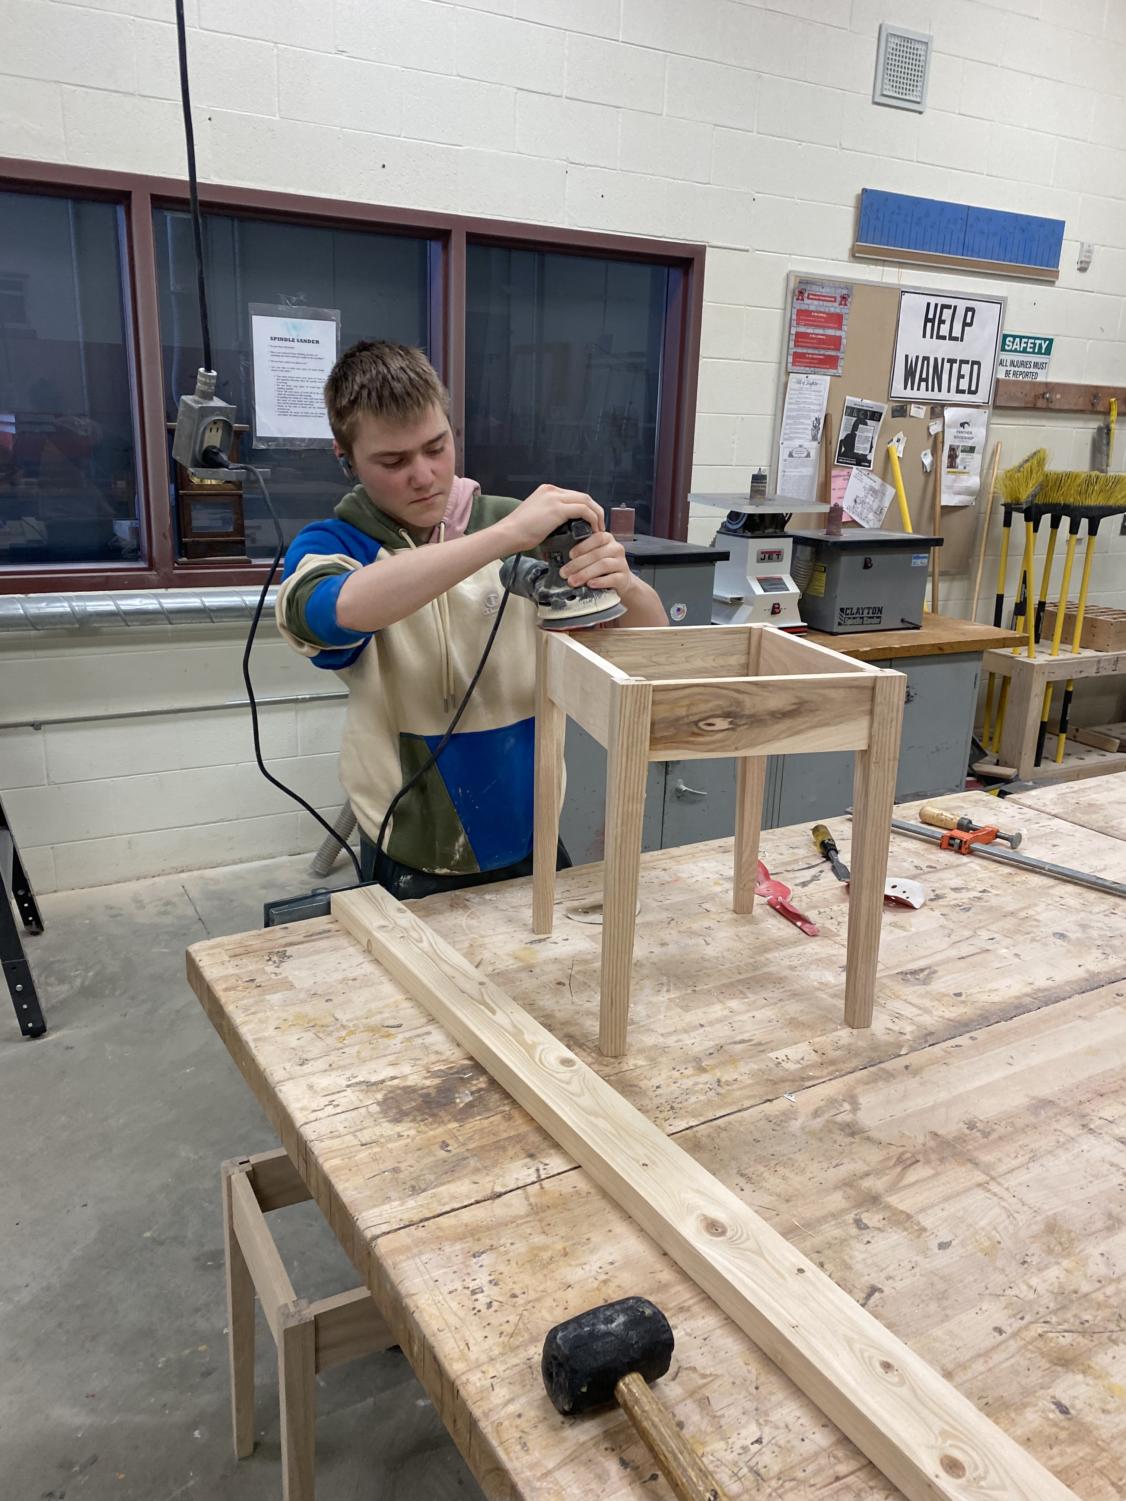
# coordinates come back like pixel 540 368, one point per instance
pixel 214 457
pixel 193 188
pixel 431 760
pixel 219 459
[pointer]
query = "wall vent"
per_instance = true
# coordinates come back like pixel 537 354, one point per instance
pixel 903 62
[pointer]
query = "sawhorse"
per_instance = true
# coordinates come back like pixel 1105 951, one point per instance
pixel 14 885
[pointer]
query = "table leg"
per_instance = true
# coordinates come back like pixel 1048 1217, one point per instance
pixel 1022 722
pixel 627 766
pixel 750 788
pixel 240 1321
pixel 297 1384
pixel 873 800
pixel 551 724
pixel 17 971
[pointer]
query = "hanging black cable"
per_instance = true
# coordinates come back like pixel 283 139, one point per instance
pixel 215 457
pixel 431 760
pixel 193 189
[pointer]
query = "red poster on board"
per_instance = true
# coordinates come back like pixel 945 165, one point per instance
pixel 808 359
pixel 816 338
pixel 818 326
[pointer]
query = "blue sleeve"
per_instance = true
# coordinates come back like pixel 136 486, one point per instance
pixel 320 614
pixel 325 539
pixel 311 606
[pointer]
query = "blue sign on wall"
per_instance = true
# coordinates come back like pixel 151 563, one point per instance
pixel 925 227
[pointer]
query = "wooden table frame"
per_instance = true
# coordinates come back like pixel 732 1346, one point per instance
pixel 310 1337
pixel 694 692
pixel 955 1167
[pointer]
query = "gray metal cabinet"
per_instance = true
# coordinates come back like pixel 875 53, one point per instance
pixel 933 751
pixel 937 723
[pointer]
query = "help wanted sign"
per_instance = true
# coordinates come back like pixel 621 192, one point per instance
pixel 946 348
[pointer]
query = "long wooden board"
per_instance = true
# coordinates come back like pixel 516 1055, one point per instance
pixel 924 1435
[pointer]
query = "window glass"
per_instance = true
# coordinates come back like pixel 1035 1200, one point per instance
pixel 563 372
pixel 377 282
pixel 68 472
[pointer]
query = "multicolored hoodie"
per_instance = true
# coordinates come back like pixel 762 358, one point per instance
pixel 473 810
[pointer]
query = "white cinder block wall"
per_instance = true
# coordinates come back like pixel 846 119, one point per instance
pixel 747 126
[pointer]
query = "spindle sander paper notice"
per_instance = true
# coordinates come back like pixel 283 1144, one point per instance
pixel 292 359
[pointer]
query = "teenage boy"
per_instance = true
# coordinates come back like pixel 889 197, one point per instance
pixel 398 592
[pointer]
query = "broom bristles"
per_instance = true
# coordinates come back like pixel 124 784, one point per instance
pixel 1017 484
pixel 1084 490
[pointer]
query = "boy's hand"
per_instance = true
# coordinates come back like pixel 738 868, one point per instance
pixel 600 562
pixel 544 512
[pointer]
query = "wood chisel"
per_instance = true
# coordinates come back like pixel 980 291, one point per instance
pixel 898 892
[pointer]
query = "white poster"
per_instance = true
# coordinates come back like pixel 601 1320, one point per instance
pixel 799 447
pixel 866 498
pixel 946 348
pixel 962 448
pixel 1024 357
pixel 860 429
pixel 292 360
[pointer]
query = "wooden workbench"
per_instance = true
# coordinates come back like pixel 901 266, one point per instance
pixel 959 1168
pixel 938 636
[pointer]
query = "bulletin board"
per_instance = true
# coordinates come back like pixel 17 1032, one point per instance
pixel 866 373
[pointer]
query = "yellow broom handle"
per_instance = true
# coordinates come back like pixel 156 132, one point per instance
pixel 1030 613
pixel 1046 576
pixel 900 493
pixel 1065 589
pixel 1081 610
pixel 1057 637
pixel 998 614
pixel 1025 579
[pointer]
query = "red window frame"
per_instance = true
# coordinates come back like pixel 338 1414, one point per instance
pixel 450 234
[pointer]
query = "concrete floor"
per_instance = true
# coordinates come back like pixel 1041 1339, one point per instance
pixel 112 1299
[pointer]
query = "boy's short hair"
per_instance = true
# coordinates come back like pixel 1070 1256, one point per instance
pixel 387 380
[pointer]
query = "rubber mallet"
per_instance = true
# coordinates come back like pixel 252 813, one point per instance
pixel 610 1354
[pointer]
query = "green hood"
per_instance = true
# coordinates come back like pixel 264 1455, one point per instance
pixel 359 510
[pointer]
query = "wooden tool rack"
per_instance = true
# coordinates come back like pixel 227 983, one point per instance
pixel 747 691
pixel 1028 677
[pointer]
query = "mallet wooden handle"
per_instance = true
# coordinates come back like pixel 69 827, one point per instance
pixel 681 1466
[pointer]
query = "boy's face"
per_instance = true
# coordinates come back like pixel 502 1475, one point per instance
pixel 406 467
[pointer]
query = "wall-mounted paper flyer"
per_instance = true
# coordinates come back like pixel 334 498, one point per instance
pixel 860 429
pixel 293 353
pixel 799 447
pixel 866 498
pixel 962 449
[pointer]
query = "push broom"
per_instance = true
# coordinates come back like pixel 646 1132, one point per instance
pixel 1081 496
pixel 1017 485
